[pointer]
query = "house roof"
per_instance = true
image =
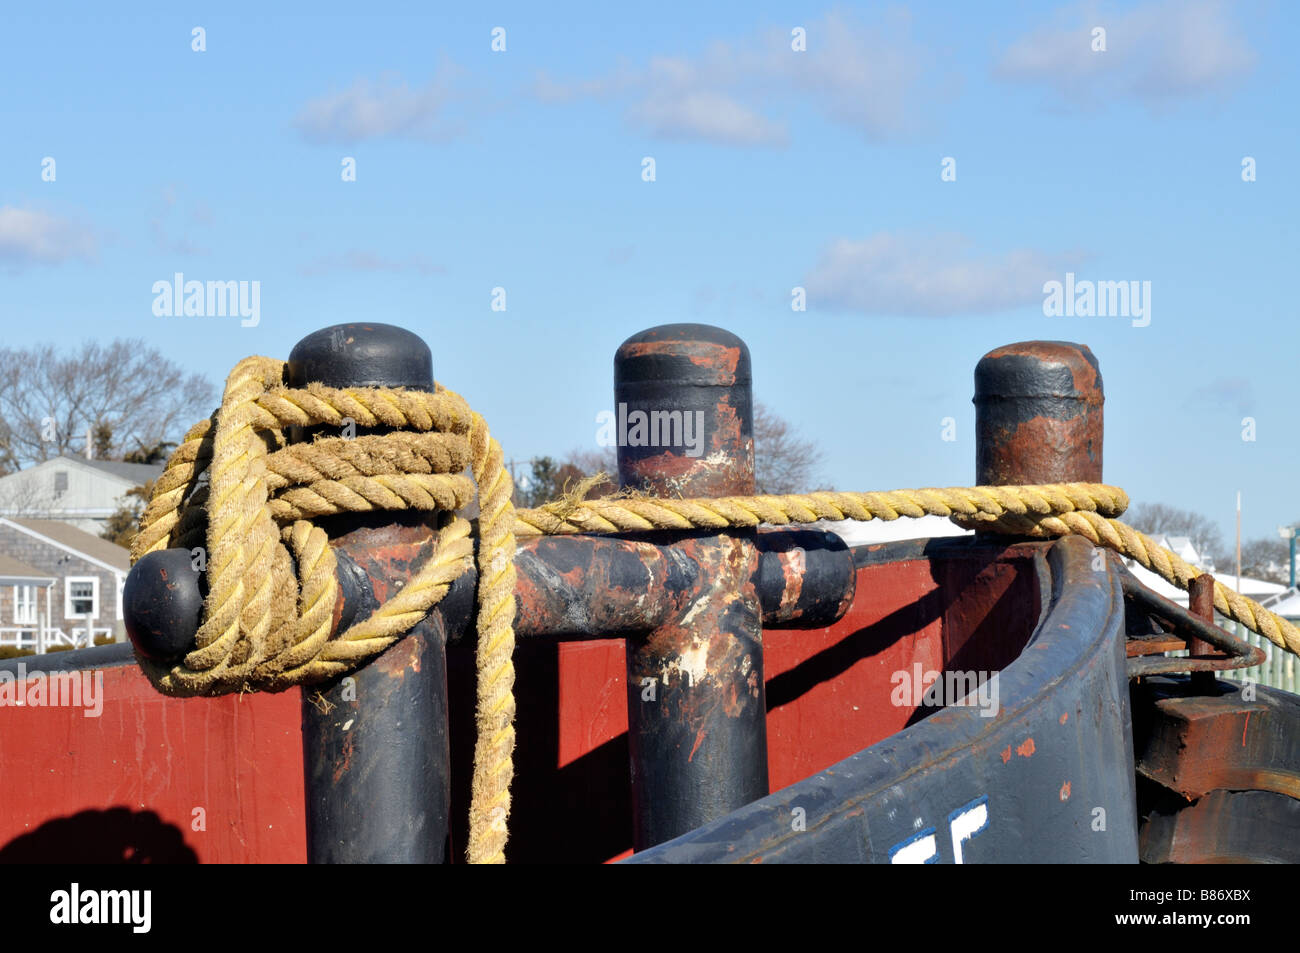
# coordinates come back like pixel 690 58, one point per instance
pixel 1258 589
pixel 1285 604
pixel 136 473
pixel 11 568
pixel 79 541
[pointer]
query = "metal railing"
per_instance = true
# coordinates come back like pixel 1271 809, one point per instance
pixel 1278 670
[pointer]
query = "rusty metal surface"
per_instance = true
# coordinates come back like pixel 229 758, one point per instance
pixel 1038 414
pixel 696 701
pixel 1234 653
pixel 806 578
pixel 568 587
pixel 697 732
pixel 1200 603
pixel 701 374
pixel 580 587
pixel 1020 786
pixel 1224 827
pixel 1192 743
pixel 380 735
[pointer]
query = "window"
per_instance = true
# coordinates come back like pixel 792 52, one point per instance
pixel 81 596
pixel 24 605
pixel 60 482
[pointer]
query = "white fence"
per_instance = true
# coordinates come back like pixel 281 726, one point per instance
pixel 41 638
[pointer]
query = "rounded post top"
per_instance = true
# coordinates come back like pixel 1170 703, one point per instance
pixel 1039 369
pixel 684 416
pixel 362 354
pixel 162 604
pixel 1038 414
pixel 698 354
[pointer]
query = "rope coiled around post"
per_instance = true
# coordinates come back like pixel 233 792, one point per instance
pixel 237 487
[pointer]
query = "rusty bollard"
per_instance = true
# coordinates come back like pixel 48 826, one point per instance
pixel 1038 414
pixel 689 605
pixel 696 707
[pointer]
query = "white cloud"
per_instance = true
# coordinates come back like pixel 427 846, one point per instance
pixel 1157 53
pixel 708 116
pixel 735 94
pixel 389 108
pixel 28 236
pixel 359 260
pixel 931 276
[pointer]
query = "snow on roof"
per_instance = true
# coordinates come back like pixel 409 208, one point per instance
pixel 859 533
pixel 1285 604
pixel 1257 589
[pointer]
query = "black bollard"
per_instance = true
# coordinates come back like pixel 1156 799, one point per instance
pixel 696 707
pixel 375 744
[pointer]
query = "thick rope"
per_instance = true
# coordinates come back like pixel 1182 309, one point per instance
pixel 236 485
pixel 264 629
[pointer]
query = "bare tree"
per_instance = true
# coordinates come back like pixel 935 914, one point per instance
pixel 1155 518
pixel 591 462
pixel 549 479
pixel 124 394
pixel 1267 559
pixel 784 463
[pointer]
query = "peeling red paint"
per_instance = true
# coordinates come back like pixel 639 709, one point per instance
pixel 696 747
pixel 1065 791
pixel 1026 749
pixel 1006 754
pixel 1065 716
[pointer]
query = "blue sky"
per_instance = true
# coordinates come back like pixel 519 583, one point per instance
pixel 774 169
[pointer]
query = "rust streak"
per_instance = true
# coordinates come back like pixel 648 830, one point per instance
pixel 698 739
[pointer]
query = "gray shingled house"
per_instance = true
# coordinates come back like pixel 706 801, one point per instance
pixel 58 584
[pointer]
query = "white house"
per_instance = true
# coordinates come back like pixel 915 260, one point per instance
pixel 83 493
